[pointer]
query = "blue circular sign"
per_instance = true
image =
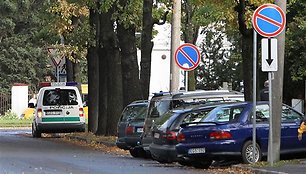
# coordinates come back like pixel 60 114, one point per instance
pixel 269 20
pixel 187 57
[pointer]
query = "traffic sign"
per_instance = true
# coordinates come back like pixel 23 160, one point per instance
pixel 187 57
pixel 55 56
pixel 269 54
pixel 269 20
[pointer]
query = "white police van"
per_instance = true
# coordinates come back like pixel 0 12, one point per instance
pixel 59 109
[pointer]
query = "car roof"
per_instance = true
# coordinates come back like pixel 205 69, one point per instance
pixel 198 94
pixel 139 102
pixel 61 87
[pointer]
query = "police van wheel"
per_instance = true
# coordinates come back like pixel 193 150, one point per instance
pixel 35 132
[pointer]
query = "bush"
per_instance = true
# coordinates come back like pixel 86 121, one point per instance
pixel 9 115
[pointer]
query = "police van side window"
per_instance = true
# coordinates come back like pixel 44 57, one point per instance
pixel 60 97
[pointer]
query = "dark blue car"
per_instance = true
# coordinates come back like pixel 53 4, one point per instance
pixel 226 133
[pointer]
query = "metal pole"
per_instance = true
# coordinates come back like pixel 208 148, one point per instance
pixel 186 83
pixel 270 145
pixel 175 42
pixel 254 91
pixel 57 73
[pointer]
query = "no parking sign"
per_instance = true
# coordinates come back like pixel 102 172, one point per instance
pixel 269 20
pixel 187 57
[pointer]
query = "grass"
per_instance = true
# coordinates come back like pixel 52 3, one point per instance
pixel 15 123
pixel 10 119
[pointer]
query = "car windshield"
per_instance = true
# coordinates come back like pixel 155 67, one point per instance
pixel 134 112
pixel 58 96
pixel 223 114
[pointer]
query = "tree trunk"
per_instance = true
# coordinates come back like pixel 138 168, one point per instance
pixel 93 75
pixel 130 69
pixel 146 47
pixel 93 89
pixel 69 70
pixel 247 51
pixel 190 36
pixel 110 77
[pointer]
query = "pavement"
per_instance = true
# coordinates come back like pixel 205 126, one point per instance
pixel 283 167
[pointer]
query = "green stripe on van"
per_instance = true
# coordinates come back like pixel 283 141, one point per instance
pixel 59 119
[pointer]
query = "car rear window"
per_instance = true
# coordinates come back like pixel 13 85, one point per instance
pixel 60 97
pixel 134 112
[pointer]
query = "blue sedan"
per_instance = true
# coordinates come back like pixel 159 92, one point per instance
pixel 226 133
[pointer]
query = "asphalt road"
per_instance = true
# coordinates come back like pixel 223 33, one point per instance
pixel 23 154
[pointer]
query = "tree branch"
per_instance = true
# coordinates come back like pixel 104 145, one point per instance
pixel 158 22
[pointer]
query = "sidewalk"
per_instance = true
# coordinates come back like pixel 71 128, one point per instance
pixel 285 168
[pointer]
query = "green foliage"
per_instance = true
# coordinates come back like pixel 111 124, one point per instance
pixel 221 59
pixel 22 55
pixel 9 115
pixel 295 40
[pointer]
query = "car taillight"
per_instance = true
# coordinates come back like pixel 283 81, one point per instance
pixel 170 135
pixel 39 112
pixel 180 137
pixel 129 130
pixel 81 112
pixel 219 135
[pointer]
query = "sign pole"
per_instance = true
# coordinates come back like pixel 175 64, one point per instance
pixel 254 92
pixel 270 145
pixel 57 73
pixel 186 81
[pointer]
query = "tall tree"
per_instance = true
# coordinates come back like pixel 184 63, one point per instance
pixel 23 56
pixel 150 16
pixel 127 23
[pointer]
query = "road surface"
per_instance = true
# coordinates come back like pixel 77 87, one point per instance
pixel 20 153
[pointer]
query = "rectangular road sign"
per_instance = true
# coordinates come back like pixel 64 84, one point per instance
pixel 269 55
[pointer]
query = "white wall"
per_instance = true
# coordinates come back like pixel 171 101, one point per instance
pixel 160 68
pixel 19 99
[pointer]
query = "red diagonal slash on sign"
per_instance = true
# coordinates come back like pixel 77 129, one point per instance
pixel 187 56
pixel 269 20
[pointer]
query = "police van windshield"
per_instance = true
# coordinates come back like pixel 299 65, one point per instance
pixel 60 97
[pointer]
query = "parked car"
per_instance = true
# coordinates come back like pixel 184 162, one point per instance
pixel 165 101
pixel 226 133
pixel 130 126
pixel 165 129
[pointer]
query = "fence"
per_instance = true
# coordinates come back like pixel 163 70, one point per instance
pixel 5 103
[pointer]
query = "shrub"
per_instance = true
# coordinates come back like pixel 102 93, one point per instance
pixel 9 115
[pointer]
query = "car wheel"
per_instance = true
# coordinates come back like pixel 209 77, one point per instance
pixel 135 152
pixel 201 164
pixel 35 132
pixel 185 163
pixel 247 153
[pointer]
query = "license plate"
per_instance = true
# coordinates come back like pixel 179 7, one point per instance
pixel 196 150
pixel 140 130
pixel 53 112
pixel 156 135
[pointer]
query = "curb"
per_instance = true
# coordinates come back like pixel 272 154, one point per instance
pixel 259 171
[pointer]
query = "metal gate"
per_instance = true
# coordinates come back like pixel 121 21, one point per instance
pixel 5 103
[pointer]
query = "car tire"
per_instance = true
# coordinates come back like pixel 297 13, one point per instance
pixel 247 153
pixel 35 132
pixel 135 152
pixel 185 163
pixel 201 164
